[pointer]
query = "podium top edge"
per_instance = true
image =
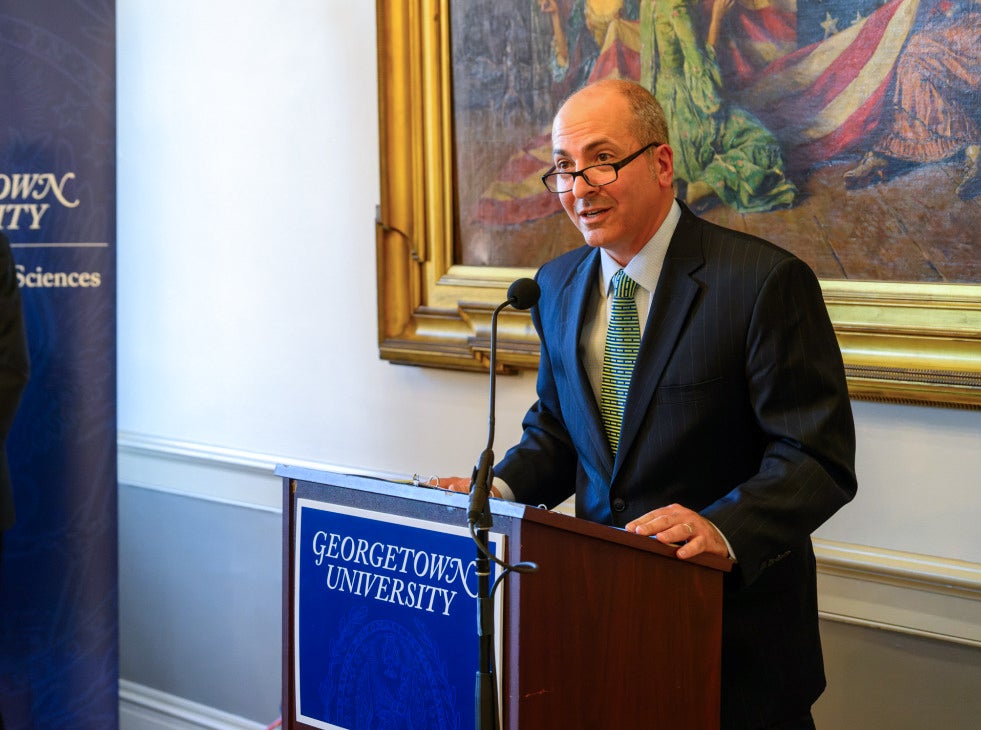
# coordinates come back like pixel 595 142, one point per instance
pixel 396 486
pixel 393 485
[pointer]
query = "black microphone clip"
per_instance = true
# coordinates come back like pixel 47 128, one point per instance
pixel 480 485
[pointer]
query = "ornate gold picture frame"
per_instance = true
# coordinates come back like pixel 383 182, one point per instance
pixel 914 343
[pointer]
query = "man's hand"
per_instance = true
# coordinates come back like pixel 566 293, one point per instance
pixel 453 484
pixel 458 484
pixel 678 524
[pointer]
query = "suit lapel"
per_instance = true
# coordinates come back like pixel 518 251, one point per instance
pixel 671 303
pixel 574 301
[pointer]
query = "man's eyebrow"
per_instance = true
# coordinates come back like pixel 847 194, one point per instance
pixel 587 149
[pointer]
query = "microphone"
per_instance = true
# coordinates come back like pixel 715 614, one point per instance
pixel 522 294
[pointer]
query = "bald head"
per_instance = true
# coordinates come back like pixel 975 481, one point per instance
pixel 646 120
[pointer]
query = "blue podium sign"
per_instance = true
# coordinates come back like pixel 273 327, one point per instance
pixel 385 620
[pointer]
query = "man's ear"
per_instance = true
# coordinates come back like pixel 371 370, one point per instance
pixel 664 156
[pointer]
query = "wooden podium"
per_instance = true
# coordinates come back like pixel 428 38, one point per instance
pixel 612 630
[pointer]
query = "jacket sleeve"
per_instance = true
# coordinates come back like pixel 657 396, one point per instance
pixel 14 362
pixel 800 399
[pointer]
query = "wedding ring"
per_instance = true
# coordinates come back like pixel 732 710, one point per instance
pixel 691 530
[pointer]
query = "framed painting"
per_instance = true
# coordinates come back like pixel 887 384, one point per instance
pixel 467 90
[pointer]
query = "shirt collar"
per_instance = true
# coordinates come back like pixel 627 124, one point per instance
pixel 645 266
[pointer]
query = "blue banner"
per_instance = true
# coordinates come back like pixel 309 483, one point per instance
pixel 58 586
pixel 385 620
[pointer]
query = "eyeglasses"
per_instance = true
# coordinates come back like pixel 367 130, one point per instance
pixel 594 175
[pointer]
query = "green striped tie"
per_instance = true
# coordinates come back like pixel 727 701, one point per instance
pixel 622 343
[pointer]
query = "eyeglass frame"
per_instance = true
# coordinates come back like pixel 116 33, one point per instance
pixel 617 166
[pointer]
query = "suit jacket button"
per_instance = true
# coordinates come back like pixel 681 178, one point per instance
pixel 619 505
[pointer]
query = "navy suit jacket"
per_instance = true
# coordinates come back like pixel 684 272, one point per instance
pixel 14 370
pixel 738 409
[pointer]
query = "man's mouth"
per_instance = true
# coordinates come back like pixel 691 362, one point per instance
pixel 592 212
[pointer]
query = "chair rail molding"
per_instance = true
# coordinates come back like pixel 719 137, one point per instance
pixel 923 595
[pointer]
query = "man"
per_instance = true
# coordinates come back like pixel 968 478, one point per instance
pixel 736 435
pixel 14 369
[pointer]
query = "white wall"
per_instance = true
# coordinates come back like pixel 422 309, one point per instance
pixel 919 475
pixel 248 179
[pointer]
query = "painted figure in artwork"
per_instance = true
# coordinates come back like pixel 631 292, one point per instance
pixel 581 35
pixel 722 150
pixel 934 109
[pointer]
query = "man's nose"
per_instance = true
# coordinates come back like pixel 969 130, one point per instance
pixel 581 187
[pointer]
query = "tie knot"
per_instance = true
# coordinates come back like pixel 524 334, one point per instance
pixel 623 286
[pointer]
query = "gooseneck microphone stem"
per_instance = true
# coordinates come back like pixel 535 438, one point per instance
pixel 483 475
pixel 522 294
